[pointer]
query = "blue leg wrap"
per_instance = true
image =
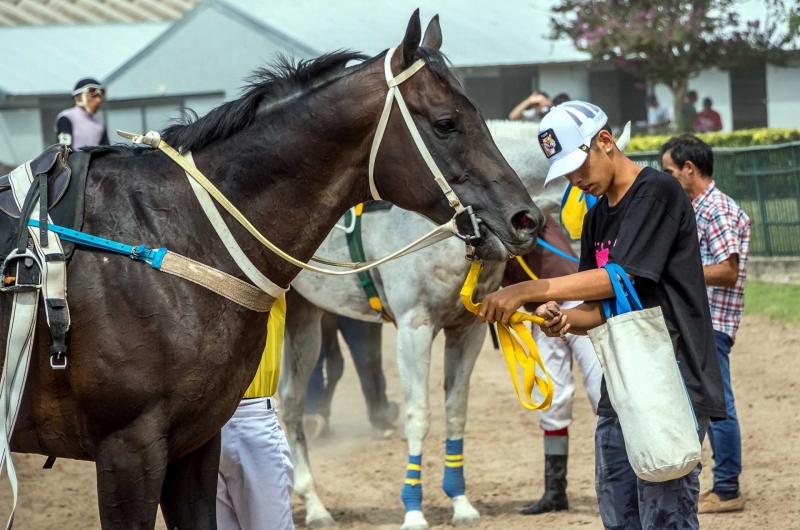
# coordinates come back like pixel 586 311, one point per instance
pixel 453 483
pixel 412 489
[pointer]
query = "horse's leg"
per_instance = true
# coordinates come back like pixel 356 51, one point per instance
pixel 334 362
pixel 364 341
pixel 130 466
pixel 300 354
pixel 461 351
pixel 188 496
pixel 414 337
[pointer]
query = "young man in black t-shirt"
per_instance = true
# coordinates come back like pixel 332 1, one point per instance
pixel 643 222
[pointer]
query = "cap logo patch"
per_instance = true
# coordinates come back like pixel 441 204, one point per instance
pixel 549 143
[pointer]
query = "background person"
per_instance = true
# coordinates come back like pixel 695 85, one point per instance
pixel 80 126
pixel 532 109
pixel 558 357
pixel 658 119
pixel 688 111
pixel 708 119
pixel 724 233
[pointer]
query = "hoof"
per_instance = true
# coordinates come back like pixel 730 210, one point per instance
pixel 415 521
pixel 464 513
pixel 324 522
pixel 314 426
pixel 382 433
pixel 469 520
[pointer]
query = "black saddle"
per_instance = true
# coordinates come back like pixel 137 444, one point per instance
pixel 53 163
pixel 66 184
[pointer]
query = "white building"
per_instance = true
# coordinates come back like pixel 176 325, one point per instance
pixel 500 50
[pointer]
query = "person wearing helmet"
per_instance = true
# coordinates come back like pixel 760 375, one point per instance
pixel 80 126
pixel 643 222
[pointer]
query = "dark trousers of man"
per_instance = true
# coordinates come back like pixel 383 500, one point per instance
pixel 364 341
pixel 725 438
pixel 630 503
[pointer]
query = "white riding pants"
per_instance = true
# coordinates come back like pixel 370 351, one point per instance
pixel 557 355
pixel 256 477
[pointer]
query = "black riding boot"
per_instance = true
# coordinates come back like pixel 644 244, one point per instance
pixel 555 481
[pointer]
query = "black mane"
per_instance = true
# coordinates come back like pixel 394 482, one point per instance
pixel 284 78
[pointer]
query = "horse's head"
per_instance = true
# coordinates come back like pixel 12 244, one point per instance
pixel 453 131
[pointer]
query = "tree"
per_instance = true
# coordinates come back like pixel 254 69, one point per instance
pixel 670 41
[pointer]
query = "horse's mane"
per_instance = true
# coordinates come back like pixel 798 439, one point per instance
pixel 286 77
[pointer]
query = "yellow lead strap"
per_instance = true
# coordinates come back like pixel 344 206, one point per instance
pixel 513 350
pixel 525 267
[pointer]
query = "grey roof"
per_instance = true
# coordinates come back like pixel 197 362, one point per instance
pixel 38 60
pixel 476 32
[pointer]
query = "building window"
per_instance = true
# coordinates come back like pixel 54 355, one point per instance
pixel 749 96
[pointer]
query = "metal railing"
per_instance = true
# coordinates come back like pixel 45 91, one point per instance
pixel 765 182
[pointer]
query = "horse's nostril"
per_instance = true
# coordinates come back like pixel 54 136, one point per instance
pixel 523 221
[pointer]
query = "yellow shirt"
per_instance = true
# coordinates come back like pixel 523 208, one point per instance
pixel 265 384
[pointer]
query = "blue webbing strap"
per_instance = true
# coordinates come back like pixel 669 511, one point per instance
pixel 544 244
pixel 152 256
pixel 622 296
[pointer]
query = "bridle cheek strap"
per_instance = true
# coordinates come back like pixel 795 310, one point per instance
pixel 394 94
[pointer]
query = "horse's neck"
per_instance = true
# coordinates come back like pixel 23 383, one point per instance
pixel 295 172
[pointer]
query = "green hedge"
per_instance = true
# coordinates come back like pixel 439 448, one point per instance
pixel 742 138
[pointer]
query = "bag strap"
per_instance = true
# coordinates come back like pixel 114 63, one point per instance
pixel 623 301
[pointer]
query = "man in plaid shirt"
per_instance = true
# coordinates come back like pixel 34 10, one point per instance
pixel 724 232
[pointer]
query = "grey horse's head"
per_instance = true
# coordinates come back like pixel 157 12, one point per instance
pixel 519 145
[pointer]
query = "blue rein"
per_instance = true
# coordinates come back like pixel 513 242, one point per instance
pixel 544 244
pixel 152 256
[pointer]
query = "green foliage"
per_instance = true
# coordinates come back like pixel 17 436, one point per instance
pixel 741 138
pixel 776 301
pixel 668 41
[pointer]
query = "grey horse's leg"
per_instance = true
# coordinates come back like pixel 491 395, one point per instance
pixel 300 354
pixel 462 346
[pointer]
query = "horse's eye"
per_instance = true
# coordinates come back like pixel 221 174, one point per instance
pixel 445 126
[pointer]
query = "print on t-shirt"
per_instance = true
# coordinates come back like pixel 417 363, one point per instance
pixel 601 254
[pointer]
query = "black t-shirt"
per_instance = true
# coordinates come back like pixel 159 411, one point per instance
pixel 651 233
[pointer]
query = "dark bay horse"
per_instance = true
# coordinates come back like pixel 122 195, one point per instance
pixel 157 365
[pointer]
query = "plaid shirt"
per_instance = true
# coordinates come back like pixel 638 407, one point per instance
pixel 724 230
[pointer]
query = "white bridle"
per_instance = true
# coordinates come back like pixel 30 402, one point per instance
pixel 153 139
pixel 392 95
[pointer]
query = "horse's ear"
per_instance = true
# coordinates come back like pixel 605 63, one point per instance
pixel 433 34
pixel 411 40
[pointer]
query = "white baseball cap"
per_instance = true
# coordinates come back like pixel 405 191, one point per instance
pixel 566 133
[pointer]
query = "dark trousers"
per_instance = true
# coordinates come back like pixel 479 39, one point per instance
pixel 630 503
pixel 725 437
pixel 364 341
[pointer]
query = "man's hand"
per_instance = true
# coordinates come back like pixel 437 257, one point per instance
pixel 555 322
pixel 499 306
pixel 537 99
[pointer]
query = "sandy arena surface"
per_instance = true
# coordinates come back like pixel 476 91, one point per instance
pixel 359 478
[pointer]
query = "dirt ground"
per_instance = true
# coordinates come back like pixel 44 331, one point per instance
pixel 360 478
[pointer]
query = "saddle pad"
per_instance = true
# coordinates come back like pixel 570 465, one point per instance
pixel 68 212
pixel 374 206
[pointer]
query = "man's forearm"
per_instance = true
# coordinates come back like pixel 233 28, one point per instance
pixel 723 274
pixel 516 113
pixel 584 317
pixel 586 285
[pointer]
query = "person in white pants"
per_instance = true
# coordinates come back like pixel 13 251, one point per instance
pixel 557 356
pixel 255 479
